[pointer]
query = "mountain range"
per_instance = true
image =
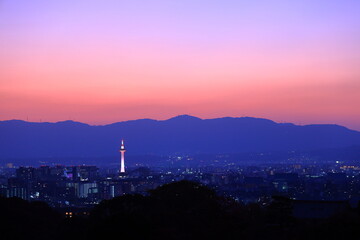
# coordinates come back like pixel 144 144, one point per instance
pixel 182 134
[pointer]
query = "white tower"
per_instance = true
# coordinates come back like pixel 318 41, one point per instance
pixel 122 151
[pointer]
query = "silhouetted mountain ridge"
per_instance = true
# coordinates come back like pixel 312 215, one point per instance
pixel 181 134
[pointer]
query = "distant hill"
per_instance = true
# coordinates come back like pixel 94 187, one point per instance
pixel 181 134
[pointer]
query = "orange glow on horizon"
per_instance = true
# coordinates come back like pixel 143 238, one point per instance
pixel 101 63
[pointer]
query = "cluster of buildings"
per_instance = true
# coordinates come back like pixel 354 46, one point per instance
pixel 62 186
pixel 83 186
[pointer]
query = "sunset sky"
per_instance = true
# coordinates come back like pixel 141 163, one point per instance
pixel 104 61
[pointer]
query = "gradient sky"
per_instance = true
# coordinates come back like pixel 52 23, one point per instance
pixel 106 61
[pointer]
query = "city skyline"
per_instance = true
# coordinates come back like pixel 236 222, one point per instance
pixel 241 119
pixel 99 63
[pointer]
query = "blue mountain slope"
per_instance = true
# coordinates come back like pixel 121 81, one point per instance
pixel 185 134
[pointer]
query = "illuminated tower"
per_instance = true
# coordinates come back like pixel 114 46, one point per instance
pixel 122 151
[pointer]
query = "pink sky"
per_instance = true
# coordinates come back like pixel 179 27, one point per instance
pixel 101 63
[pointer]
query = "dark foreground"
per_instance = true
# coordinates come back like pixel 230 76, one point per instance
pixel 181 210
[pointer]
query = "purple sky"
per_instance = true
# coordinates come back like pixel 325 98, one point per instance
pixel 106 61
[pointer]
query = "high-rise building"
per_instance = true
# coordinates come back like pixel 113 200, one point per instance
pixel 25 173
pixel 84 189
pixel 84 173
pixel 122 151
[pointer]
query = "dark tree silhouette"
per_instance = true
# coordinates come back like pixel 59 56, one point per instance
pixel 179 210
pixel 27 220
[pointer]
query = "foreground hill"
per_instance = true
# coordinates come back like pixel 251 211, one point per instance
pixel 182 134
pixel 179 210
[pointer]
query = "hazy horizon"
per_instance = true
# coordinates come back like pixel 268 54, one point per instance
pixel 74 120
